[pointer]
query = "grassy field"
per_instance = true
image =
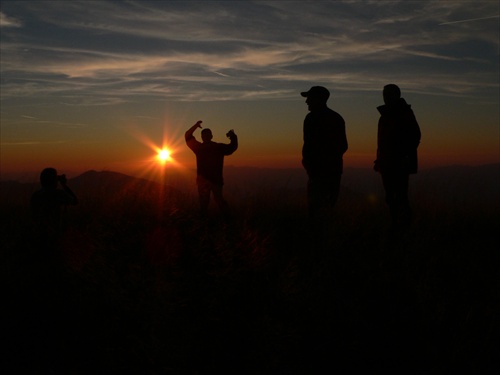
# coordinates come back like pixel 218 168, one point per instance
pixel 145 287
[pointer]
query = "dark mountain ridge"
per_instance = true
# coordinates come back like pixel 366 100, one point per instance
pixel 473 183
pixel 103 185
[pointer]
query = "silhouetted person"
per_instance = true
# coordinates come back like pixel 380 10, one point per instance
pixel 48 292
pixel 210 163
pixel 397 142
pixel 47 205
pixel 325 143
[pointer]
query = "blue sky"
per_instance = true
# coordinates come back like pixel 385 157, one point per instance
pixel 81 79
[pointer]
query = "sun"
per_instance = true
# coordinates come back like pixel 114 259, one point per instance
pixel 164 155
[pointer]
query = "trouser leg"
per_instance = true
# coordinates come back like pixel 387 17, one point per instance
pixel 204 196
pixel 322 193
pixel 333 189
pixel 396 190
pixel 221 202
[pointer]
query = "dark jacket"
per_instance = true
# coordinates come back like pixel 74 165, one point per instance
pixel 325 143
pixel 398 138
pixel 46 205
pixel 210 157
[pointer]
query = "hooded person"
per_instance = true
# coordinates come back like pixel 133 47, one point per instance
pixel 398 137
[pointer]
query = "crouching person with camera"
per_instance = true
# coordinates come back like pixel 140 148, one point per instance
pixel 44 298
pixel 48 203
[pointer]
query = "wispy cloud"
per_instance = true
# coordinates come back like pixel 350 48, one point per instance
pixel 80 72
pixel 469 20
pixel 6 21
pixel 169 49
pixel 31 143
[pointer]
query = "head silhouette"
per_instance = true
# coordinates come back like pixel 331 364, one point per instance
pixel 206 135
pixel 391 94
pixel 48 178
pixel 316 97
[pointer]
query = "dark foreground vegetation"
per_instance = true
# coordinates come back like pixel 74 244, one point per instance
pixel 144 287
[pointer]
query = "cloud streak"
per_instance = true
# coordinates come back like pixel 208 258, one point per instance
pixel 76 75
pixel 469 20
pixel 6 21
pixel 170 49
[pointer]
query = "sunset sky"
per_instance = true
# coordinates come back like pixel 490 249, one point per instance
pixel 100 84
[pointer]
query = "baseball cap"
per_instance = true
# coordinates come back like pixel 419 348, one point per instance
pixel 318 92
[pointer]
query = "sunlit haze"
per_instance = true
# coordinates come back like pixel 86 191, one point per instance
pixel 106 85
pixel 164 155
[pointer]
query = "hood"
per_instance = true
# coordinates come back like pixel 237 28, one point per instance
pixel 398 106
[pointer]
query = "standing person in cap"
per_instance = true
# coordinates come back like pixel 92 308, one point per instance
pixel 210 163
pixel 325 143
pixel 397 141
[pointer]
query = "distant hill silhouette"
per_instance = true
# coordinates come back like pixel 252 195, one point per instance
pixel 461 185
pixel 476 185
pixel 105 185
pixel 483 179
pixel 467 186
pixel 254 178
pixel 13 193
pixel 112 181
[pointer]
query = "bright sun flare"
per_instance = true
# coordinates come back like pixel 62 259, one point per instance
pixel 164 155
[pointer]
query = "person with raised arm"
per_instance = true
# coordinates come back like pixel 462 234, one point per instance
pixel 209 165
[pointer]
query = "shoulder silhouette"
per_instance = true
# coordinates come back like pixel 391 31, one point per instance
pixel 47 202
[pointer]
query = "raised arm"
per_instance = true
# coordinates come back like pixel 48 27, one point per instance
pixel 190 131
pixel 233 145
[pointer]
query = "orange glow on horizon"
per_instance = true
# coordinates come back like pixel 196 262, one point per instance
pixel 164 159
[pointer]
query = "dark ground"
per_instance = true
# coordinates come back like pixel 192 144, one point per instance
pixel 146 291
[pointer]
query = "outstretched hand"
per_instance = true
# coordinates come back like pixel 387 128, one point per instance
pixel 192 129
